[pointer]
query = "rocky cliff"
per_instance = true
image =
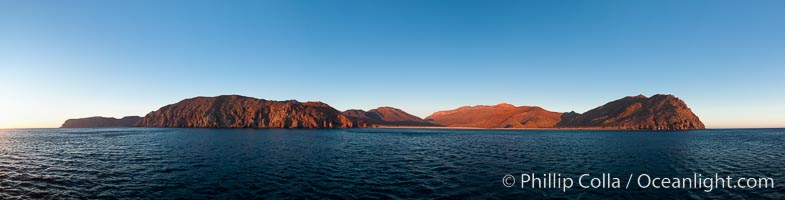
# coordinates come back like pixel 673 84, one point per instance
pixel 234 111
pixel 388 116
pixel 498 116
pixel 658 112
pixel 94 122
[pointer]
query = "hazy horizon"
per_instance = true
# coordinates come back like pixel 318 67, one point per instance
pixel 62 60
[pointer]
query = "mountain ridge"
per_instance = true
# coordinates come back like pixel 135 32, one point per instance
pixel 658 112
pixel 387 116
pixel 236 111
pixel 501 115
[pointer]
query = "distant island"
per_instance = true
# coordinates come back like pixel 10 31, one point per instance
pixel 94 122
pixel 658 112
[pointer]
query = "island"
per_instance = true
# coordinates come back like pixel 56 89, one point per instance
pixel 658 112
pixel 94 122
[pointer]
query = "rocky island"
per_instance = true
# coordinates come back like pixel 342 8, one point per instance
pixel 91 122
pixel 659 112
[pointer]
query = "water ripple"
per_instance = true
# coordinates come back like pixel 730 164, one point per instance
pixel 148 163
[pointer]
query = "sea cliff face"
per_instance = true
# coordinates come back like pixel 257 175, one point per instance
pixel 387 116
pixel 234 111
pixel 95 122
pixel 659 112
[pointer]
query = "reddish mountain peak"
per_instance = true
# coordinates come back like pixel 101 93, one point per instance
pixel 232 97
pixel 500 105
pixel 498 116
pixel 663 96
pixel 390 114
pixel 387 116
pixel 315 103
pixel 235 111
pixel 354 110
pixel 385 109
pixel 504 105
pixel 640 96
pixel 658 112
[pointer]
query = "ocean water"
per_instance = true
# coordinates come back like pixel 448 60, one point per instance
pixel 163 163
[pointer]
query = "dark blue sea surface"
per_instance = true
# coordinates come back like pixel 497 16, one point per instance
pixel 163 163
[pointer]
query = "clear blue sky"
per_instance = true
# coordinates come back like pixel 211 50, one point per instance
pixel 68 59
